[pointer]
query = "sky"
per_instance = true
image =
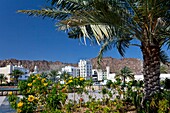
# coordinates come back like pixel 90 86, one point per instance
pixel 32 38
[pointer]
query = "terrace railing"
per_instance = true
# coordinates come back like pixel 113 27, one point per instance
pixel 5 91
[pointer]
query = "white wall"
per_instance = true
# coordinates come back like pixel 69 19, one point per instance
pixel 6 71
pixel 74 71
pixel 99 74
pixel 162 77
pixel 9 68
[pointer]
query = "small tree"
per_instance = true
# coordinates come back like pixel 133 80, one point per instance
pixel 2 78
pixel 16 74
pixel 53 75
pixel 64 76
pixel 124 74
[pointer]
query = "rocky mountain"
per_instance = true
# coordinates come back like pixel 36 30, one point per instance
pixel 115 64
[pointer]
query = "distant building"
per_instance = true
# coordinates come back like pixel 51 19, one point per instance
pixel 85 68
pixel 9 68
pixel 100 75
pixel 74 71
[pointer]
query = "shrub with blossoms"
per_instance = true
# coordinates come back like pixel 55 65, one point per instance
pixel 39 94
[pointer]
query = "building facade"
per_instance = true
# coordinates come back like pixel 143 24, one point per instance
pixel 85 67
pixel 6 71
pixel 74 71
pixel 99 75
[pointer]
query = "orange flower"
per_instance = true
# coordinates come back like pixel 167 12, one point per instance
pixel 63 90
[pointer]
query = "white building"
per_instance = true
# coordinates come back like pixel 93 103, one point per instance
pixel 6 71
pixel 9 68
pixel 85 68
pixel 74 71
pixel 99 75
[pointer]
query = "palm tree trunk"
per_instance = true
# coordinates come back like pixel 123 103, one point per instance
pixel 151 70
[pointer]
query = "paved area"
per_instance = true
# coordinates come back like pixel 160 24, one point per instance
pixel 4 106
pixel 2 98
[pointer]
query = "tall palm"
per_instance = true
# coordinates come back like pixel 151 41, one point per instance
pixel 64 76
pixel 124 74
pixel 53 75
pixel 116 23
pixel 16 74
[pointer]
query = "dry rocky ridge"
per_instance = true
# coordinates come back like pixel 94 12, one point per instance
pixel 115 64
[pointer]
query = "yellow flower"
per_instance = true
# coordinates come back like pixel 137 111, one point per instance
pixel 36 98
pixel 38 78
pixel 32 76
pixel 70 81
pixel 29 84
pixel 20 104
pixel 34 81
pixel 114 103
pixel 43 80
pixel 45 84
pixel 10 93
pixel 28 91
pixel 71 77
pixel 81 78
pixel 19 110
pixel 37 75
pixel 30 98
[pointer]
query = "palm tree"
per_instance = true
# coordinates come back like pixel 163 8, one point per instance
pixel 53 75
pixel 2 78
pixel 118 23
pixel 124 74
pixel 16 74
pixel 44 74
pixel 64 76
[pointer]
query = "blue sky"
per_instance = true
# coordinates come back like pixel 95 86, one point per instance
pixel 33 38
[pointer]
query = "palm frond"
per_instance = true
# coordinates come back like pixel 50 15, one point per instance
pixel 49 12
pixel 164 57
pixel 111 23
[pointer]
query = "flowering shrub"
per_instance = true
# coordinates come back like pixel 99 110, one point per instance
pixel 42 95
pixel 39 94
